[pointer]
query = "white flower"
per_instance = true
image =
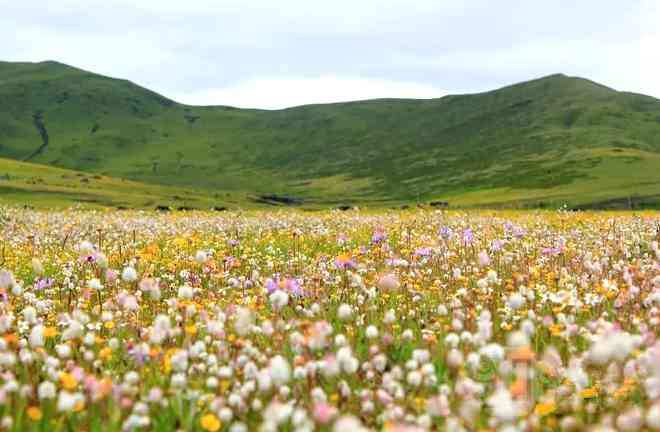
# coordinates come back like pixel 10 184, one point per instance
pixel 279 299
pixel 185 292
pixel 179 361
pixel 85 248
pixel 414 378
pixel 68 401
pixel 178 380
pixel 73 331
pixel 6 279
pixel 37 336
pixel 503 406
pixel 129 274
pixel 612 346
pixel 517 339
pixel 371 332
pixel 63 350
pixel 244 321
pixel 279 370
pixel 631 420
pixel 37 267
pixel 30 315
pixel 94 284
pixel 46 390
pixel 201 257
pixel 344 312
pixel 493 351
pixel 653 417
pixel 515 301
pixel 454 358
pixel 348 423
pixel 390 317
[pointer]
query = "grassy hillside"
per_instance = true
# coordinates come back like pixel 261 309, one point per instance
pixel 554 138
pixel 24 183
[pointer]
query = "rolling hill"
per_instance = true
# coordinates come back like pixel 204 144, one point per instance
pixel 42 186
pixel 542 142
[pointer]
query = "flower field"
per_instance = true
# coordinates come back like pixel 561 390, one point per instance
pixel 337 321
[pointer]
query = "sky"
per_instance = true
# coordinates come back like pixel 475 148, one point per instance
pixel 277 54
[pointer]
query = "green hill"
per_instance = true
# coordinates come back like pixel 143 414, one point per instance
pixel 549 140
pixel 40 186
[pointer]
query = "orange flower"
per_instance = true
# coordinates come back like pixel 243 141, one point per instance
pixel 11 338
pixel 522 354
pixel 34 413
pixel 519 387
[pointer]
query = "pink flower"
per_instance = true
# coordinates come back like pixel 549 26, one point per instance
pixel 438 406
pixel 484 259
pixel 110 275
pixel 323 412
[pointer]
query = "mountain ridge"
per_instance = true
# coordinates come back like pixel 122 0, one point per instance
pixel 531 139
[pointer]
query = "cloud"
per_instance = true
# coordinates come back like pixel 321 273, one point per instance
pixel 227 52
pixel 283 92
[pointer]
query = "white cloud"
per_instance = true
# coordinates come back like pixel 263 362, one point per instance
pixel 269 54
pixel 275 93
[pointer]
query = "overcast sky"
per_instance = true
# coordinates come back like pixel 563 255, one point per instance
pixel 273 54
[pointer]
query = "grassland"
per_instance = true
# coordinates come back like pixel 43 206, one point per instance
pixel 39 186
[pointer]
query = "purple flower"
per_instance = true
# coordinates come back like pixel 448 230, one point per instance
pixel 551 251
pixel 423 252
pixel 446 233
pixel 233 242
pixel 379 236
pixel 43 284
pixel 271 285
pixel 468 236
pixel 294 287
pixel 518 232
pixel 344 262
pixel 496 245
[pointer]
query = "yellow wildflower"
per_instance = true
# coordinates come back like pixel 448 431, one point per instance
pixel 210 423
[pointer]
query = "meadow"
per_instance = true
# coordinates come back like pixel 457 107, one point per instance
pixel 334 321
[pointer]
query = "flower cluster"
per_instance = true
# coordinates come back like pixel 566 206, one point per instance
pixel 398 321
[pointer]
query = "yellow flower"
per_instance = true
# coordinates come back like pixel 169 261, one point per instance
pixel 191 330
pixel 556 329
pixel 80 405
pixel 68 381
pixel 589 393
pixel 105 353
pixel 50 332
pixel 109 325
pixel 210 423
pixel 34 413
pixel 544 409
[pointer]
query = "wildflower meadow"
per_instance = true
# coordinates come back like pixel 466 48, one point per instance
pixel 334 321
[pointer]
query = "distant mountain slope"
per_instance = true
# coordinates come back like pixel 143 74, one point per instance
pixel 550 137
